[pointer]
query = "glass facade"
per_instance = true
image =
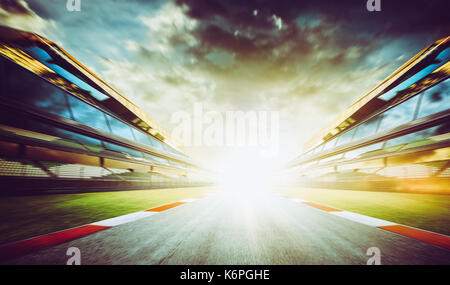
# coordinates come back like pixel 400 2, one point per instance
pixel 363 151
pixel 87 114
pixel 398 115
pixel 119 128
pixel 367 129
pixel 48 61
pixel 61 122
pixel 435 100
pixel 361 158
pixel 441 59
pixel 21 86
pixel 346 137
pixel 421 138
pixel 28 89
pixel 431 101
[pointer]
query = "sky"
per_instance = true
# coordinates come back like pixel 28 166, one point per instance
pixel 306 60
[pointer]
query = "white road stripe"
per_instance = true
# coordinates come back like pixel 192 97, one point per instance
pixel 366 220
pixel 189 200
pixel 298 200
pixel 362 219
pixel 124 219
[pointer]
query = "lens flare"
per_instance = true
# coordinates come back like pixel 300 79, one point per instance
pixel 245 174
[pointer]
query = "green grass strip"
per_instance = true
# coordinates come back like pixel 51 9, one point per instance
pixel 425 211
pixel 29 216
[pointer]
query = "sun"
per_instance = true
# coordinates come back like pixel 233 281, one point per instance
pixel 245 172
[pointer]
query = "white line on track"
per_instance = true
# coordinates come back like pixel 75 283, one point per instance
pixel 124 219
pixel 362 219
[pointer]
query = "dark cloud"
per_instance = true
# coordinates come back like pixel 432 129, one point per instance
pixel 314 39
pixel 42 9
pixel 220 19
pixel 215 36
pixel 400 15
pixel 14 7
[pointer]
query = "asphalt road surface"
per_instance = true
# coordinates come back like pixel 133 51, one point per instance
pixel 234 230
